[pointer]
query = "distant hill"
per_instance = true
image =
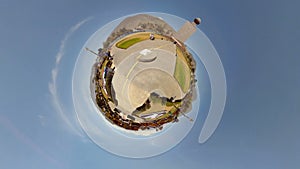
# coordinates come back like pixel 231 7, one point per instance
pixel 140 22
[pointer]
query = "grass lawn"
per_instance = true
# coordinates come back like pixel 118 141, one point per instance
pixel 126 43
pixel 132 39
pixel 182 72
pixel 135 38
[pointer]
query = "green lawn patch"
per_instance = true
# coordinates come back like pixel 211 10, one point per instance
pixel 182 74
pixel 126 43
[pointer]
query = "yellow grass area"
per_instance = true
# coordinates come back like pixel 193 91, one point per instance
pixel 170 110
pixel 157 107
pixel 102 88
pixel 182 71
pixel 134 38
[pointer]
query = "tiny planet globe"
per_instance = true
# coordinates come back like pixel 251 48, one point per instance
pixel 137 84
pixel 144 76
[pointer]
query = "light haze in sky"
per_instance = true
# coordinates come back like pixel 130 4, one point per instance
pixel 257 41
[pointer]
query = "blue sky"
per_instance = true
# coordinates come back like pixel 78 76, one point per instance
pixel 258 43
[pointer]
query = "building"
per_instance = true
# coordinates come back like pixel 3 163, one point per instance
pixel 187 30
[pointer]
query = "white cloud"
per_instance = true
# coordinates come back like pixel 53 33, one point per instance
pixel 53 83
